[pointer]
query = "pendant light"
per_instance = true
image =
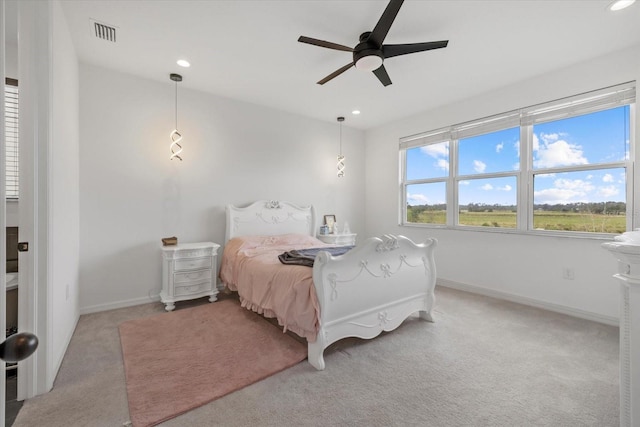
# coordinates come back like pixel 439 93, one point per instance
pixel 340 156
pixel 175 148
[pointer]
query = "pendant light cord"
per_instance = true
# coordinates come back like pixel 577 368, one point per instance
pixel 341 138
pixel 176 105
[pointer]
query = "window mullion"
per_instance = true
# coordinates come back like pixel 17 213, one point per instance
pixel 452 185
pixel 633 203
pixel 525 179
pixel 403 187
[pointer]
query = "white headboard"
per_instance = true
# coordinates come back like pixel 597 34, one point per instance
pixel 268 218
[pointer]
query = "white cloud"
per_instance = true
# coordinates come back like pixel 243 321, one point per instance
pixel 549 137
pixel 554 196
pixel 440 152
pixel 417 199
pixel 565 191
pixel 479 166
pixel 607 178
pixel 487 187
pixel 505 188
pixel 622 178
pixel 551 152
pixel 465 182
pixel 436 150
pixel 608 191
pixel 574 184
pixel 499 147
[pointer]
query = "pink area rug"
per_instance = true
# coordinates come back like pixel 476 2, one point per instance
pixel 177 361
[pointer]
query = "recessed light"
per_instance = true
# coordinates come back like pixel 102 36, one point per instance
pixel 620 4
pixel 183 63
pixel 355 112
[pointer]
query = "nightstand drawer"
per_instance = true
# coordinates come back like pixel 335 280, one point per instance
pixel 192 289
pixel 189 271
pixel 338 239
pixel 192 264
pixel 191 276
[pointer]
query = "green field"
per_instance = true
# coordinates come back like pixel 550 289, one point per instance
pixel 544 220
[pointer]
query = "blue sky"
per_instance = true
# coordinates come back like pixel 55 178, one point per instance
pixel 584 140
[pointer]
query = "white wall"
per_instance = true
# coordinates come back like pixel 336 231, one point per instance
pixel 521 267
pixel 64 199
pixel 132 195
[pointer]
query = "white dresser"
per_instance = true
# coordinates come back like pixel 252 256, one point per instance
pixel 189 271
pixel 346 239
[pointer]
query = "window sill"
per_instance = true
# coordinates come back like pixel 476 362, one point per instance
pixel 542 233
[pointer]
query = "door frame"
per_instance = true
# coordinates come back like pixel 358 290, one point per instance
pixel 34 75
pixel 3 215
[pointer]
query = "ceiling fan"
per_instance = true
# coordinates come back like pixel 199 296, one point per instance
pixel 370 53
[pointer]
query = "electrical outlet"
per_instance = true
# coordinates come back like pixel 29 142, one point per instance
pixel 567 273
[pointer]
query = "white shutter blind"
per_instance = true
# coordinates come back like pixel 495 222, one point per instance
pixel 439 135
pixel 487 125
pixel 11 132
pixel 585 103
pixel 610 97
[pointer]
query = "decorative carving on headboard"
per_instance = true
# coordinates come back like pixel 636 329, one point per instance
pixel 272 204
pixel 389 243
pixel 274 219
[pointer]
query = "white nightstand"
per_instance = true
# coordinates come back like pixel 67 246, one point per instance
pixel 189 271
pixel 338 239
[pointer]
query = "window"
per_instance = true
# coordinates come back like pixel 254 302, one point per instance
pixel 11 132
pixel 563 166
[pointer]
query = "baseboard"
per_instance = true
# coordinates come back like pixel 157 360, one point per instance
pixel 129 303
pixel 570 311
pixel 118 304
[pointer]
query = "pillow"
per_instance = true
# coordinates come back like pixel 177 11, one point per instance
pixel 253 242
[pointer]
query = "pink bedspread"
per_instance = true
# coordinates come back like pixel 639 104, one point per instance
pixel 251 267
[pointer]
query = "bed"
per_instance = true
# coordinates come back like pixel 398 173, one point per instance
pixel 372 288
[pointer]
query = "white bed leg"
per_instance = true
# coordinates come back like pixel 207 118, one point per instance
pixel 423 314
pixel 315 356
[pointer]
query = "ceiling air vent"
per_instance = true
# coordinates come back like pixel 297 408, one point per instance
pixel 103 31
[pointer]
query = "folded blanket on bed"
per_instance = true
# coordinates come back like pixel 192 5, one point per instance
pixel 308 256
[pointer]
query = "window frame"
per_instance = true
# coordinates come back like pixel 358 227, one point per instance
pixel 524 118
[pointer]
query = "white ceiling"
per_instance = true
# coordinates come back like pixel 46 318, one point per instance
pixel 248 50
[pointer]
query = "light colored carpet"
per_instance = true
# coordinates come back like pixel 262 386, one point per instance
pixel 484 362
pixel 177 361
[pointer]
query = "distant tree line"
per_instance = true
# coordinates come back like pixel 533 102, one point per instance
pixel 605 208
pixel 601 208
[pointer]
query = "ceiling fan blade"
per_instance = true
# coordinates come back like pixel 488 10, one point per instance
pixel 381 74
pixel 384 24
pixel 335 73
pixel 391 50
pixel 322 43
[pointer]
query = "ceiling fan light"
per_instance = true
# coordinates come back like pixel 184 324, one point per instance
pixel 369 63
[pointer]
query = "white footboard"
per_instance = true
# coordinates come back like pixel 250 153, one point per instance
pixel 372 288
